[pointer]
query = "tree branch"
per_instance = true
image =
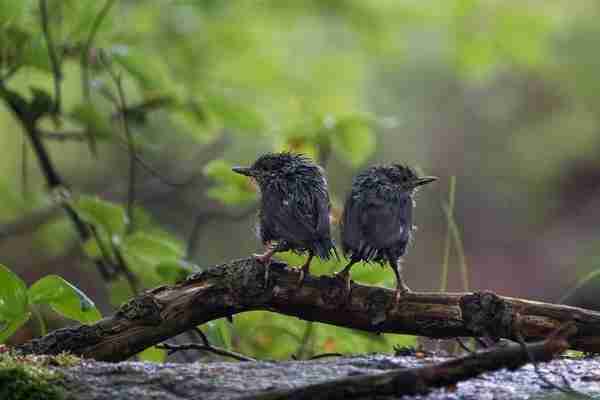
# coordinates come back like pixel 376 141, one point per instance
pixel 410 381
pixel 239 286
pixel 172 348
pixel 54 61
pixel 30 222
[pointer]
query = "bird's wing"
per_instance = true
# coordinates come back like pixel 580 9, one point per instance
pixel 352 235
pixel 385 223
pixel 298 218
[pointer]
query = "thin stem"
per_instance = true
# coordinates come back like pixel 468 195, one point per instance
pixel 85 62
pixel 24 168
pixel 129 275
pixel 460 252
pixel 303 349
pixel 451 196
pixel 121 105
pixel 40 320
pixel 85 55
pixel 578 286
pixel 201 219
pixel 132 156
pixel 54 61
pixel 172 348
pixel 565 388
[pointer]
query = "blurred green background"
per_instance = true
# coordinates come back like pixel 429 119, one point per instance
pixel 502 95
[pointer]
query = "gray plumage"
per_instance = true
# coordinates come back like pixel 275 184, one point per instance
pixel 294 206
pixel 378 217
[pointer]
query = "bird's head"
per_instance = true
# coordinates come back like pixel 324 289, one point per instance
pixel 273 166
pixel 406 177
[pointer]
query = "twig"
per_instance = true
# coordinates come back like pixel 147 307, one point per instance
pixel 30 222
pixel 464 346
pixel 449 216
pixel 457 238
pixel 85 62
pixel 204 217
pixel 121 105
pixel 64 136
pixel 410 381
pixel 24 168
pixel 206 346
pixel 303 347
pixel 106 259
pixel 566 385
pixel 323 355
pixel 80 137
pixel 122 265
pixel 55 63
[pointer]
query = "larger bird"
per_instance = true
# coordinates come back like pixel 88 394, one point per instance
pixel 377 219
pixel 294 209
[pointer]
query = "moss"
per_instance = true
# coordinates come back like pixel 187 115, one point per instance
pixel 29 378
pixel 18 383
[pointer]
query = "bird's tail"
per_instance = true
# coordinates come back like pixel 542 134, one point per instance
pixel 325 249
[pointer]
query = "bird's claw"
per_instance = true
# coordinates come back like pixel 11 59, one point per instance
pixel 401 292
pixel 303 273
pixel 264 259
pixel 344 277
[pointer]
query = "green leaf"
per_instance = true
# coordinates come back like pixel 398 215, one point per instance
pixel 151 76
pixel 143 252
pixel 93 121
pixel 153 354
pixel 14 308
pixel 230 188
pixel 353 140
pixel 173 270
pixel 235 114
pixel 218 333
pixel 64 298
pixel 158 248
pixel 100 213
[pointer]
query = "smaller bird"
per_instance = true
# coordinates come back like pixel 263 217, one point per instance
pixel 294 207
pixel 377 220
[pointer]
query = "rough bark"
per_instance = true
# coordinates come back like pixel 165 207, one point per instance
pixel 238 286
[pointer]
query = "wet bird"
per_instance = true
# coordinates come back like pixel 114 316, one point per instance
pixel 294 208
pixel 377 220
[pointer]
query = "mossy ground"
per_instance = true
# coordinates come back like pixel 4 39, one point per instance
pixel 29 378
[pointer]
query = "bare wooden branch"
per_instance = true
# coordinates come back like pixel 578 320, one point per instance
pixel 409 381
pixel 239 286
pixel 172 348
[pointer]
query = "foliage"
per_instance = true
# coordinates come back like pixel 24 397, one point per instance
pixel 210 84
pixel 16 301
pixel 28 378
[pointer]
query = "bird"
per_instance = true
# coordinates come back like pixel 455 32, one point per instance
pixel 294 209
pixel 376 223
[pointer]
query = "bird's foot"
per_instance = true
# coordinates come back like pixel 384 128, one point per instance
pixel 265 259
pixel 344 277
pixel 401 292
pixel 304 271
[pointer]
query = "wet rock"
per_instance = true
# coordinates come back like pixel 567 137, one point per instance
pixel 93 380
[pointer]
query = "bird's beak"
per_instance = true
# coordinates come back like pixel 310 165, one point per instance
pixel 424 180
pixel 243 170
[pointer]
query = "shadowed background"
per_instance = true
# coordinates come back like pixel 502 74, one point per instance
pixel 503 96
